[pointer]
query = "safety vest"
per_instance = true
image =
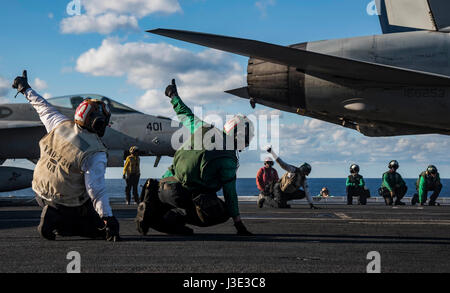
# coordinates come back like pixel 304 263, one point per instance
pixel 191 162
pixel 291 182
pixel 58 176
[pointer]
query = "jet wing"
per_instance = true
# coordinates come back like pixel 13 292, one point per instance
pixel 310 62
pixel 20 124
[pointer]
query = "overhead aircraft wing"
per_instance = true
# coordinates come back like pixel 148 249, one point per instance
pixel 407 15
pixel 310 62
pixel 20 124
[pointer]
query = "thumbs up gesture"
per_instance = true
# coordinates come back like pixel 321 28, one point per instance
pixel 21 83
pixel 171 90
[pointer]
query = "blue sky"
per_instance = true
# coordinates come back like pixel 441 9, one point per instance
pixel 105 50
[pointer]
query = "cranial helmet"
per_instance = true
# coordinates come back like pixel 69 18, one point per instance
pixel 93 115
pixel 305 169
pixel 393 165
pixel 354 168
pixel 242 129
pixel 432 169
pixel 134 149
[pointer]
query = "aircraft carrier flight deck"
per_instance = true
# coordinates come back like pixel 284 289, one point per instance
pixel 335 238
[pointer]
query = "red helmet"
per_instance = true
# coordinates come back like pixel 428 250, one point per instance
pixel 93 115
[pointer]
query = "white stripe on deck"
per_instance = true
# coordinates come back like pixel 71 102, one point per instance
pixel 343 216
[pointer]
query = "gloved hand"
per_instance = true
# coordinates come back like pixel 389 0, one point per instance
pixel 112 229
pixel 171 90
pixel 124 176
pixel 21 83
pixel 313 207
pixel 241 230
pixel 269 149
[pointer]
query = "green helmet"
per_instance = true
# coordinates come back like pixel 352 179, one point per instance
pixel 305 169
pixel 432 169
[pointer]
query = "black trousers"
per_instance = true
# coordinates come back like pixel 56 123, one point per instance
pixel 436 191
pixel 399 194
pixel 76 221
pixel 362 193
pixel 169 207
pixel 132 183
pixel 279 199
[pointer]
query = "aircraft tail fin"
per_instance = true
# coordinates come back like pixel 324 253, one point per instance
pixel 411 15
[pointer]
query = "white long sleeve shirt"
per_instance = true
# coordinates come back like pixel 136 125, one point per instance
pixel 291 172
pixel 94 167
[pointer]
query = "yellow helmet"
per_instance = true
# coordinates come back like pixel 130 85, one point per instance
pixel 134 149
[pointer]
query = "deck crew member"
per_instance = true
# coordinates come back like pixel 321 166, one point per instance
pixel 288 187
pixel 264 178
pixel 187 192
pixel 131 174
pixel 393 186
pixel 429 180
pixel 355 186
pixel 69 177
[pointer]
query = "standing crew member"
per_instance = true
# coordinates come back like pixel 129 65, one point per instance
pixel 393 185
pixel 264 178
pixel 429 180
pixel 288 187
pixel 131 173
pixel 355 186
pixel 187 192
pixel 69 177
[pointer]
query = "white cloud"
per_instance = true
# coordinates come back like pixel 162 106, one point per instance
pixel 201 77
pixel 155 102
pixel 140 8
pixel 5 87
pixel 263 5
pixel 39 84
pixel 334 144
pixel 103 24
pixel 105 16
pixel 47 95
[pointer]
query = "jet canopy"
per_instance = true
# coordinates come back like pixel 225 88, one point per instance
pixel 72 102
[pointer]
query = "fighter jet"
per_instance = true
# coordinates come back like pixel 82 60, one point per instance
pixel 21 130
pixel 393 84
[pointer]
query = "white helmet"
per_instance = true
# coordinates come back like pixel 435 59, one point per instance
pixel 242 129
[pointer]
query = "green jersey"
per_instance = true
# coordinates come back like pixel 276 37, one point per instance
pixel 200 170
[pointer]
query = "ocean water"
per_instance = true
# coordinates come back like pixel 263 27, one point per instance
pixel 247 187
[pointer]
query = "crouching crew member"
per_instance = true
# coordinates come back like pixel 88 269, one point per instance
pixel 187 192
pixel 355 186
pixel 393 185
pixel 288 187
pixel 131 174
pixel 69 176
pixel 264 178
pixel 429 180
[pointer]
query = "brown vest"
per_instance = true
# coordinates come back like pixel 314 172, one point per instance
pixel 291 182
pixel 58 176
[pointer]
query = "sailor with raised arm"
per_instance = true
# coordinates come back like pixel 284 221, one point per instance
pixel 288 187
pixel 69 178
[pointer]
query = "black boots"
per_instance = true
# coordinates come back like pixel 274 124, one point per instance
pixel 50 219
